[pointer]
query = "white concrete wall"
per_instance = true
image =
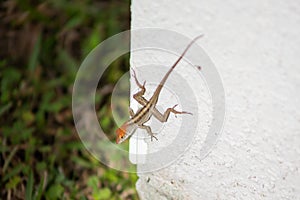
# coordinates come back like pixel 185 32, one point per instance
pixel 256 47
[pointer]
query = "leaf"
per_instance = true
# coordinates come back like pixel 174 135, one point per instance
pixel 39 193
pixel 74 22
pixel 12 172
pixel 93 182
pixel 111 176
pixel 13 182
pixel 55 192
pixel 7 161
pixel 69 64
pixel 93 40
pixel 81 162
pixel 104 193
pixel 3 109
pixel 28 117
pixel 29 186
pixel 41 166
pixel 35 54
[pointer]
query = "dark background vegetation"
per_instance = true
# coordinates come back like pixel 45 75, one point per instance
pixel 42 44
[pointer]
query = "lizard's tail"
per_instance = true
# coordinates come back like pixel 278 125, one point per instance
pixel 157 91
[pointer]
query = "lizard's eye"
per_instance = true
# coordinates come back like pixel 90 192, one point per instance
pixel 121 133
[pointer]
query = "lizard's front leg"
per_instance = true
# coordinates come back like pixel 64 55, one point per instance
pixel 139 95
pixel 149 131
pixel 131 113
pixel 164 117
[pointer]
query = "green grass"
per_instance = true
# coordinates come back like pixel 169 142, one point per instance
pixel 41 156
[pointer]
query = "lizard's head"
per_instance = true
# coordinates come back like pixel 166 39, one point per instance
pixel 121 134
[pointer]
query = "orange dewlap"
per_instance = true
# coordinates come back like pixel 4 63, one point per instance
pixel 121 132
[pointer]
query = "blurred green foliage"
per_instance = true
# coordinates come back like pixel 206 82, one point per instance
pixel 42 45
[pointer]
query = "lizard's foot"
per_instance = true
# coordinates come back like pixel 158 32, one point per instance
pixel 179 112
pixel 152 136
pixel 149 131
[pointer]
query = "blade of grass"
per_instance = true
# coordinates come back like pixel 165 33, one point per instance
pixel 35 54
pixel 5 108
pixel 39 193
pixel 12 173
pixel 29 186
pixel 7 161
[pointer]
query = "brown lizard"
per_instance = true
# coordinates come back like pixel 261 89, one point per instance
pixel 143 115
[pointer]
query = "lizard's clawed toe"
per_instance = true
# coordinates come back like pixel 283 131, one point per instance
pixel 152 136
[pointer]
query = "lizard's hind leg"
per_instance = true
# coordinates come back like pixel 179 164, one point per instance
pixel 139 95
pixel 164 117
pixel 149 131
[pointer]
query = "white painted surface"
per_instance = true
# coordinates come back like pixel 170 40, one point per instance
pixel 255 46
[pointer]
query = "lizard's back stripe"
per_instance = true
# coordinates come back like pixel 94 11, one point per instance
pixel 141 113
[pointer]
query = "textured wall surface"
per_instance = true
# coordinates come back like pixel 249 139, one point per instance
pixel 255 46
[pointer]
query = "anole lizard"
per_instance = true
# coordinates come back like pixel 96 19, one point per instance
pixel 143 115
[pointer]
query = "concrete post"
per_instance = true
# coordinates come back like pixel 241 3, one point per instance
pixel 255 46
